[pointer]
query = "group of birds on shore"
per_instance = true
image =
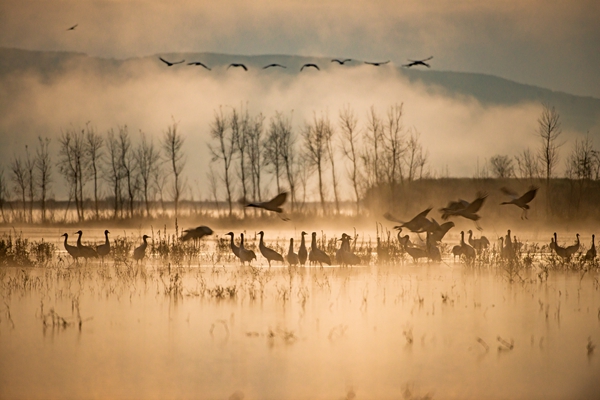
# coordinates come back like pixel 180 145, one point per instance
pixel 411 63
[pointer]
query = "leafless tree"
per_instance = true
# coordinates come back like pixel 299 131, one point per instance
pixel 44 172
pixel 113 173
pixel 502 166
pixel 173 148
pixel 370 156
pixel 94 144
pixel 315 143
pixel 332 156
pixel 128 166
pixel 147 160
pixel 528 165
pixel 240 127
pixel 3 193
pixel 19 178
pixel 581 163
pixel 255 154
pixel 72 165
pixel 213 185
pixel 30 179
pixel 393 146
pixel 287 153
pixel 272 150
pixel 224 150
pixel 415 157
pixel 350 145
pixel 549 130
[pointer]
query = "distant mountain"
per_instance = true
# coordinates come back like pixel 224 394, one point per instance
pixel 577 112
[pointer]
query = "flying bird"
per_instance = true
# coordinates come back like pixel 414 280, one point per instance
pixel 310 65
pixel 522 201
pixel 418 62
pixel 463 208
pixel 419 223
pixel 272 205
pixel 200 64
pixel 274 65
pixel 73 27
pixel 196 233
pixel 341 62
pixel 237 65
pixel 377 64
pixel 169 63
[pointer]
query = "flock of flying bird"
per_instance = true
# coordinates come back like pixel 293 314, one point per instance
pixel 420 223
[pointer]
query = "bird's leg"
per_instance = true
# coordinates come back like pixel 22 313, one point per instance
pixel 478 227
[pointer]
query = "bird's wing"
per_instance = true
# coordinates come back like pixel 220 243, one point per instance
pixel 509 192
pixel 390 217
pixel 527 197
pixel 243 66
pixel 317 67
pixel 423 213
pixel 278 200
pixel 163 60
pixel 476 204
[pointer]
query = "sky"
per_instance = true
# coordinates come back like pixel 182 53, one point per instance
pixel 554 44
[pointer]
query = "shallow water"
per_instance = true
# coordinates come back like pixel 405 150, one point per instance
pixel 375 332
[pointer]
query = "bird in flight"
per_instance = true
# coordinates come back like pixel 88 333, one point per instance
pixel 73 27
pixel 418 62
pixel 199 63
pixel 170 64
pixel 463 208
pixel 310 65
pixel 237 65
pixel 522 201
pixel 377 64
pixel 272 205
pixel 274 65
pixel 341 62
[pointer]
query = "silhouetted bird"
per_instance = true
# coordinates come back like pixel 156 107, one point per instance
pixel 478 244
pixel 316 254
pixel 310 65
pixel 246 255
pixel 341 62
pixel 272 205
pixel 590 255
pixel 291 257
pixel 199 64
pixel 418 62
pixel 456 251
pixel 344 255
pixel 73 27
pixel 196 233
pixel 140 251
pixel 377 64
pixel 560 251
pixel 465 249
pixel 85 251
pixel 235 249
pixel 72 250
pixel 269 254
pixel 274 65
pixel 419 223
pixel 465 209
pixel 237 65
pixel 302 251
pixel 439 231
pixel 104 249
pixel 169 63
pixel 522 201
pixel 571 250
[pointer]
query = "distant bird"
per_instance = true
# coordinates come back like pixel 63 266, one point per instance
pixel 85 251
pixel 274 65
pixel 302 251
pixel 246 255
pixel 344 255
pixel 200 64
pixel 272 205
pixel 590 255
pixel 522 201
pixel 416 253
pixel 310 65
pixel 466 250
pixel 140 252
pixel 433 252
pixel 478 244
pixel 235 249
pixel 169 63
pixel 571 250
pixel 269 254
pixel 341 62
pixel 418 62
pixel 237 65
pixel 73 27
pixel 104 249
pixel 72 250
pixel 377 64
pixel 508 251
pixel 196 233
pixel 457 251
pixel 418 224
pixel 404 240
pixel 316 254
pixel 291 257
pixel 560 251
pixel 465 209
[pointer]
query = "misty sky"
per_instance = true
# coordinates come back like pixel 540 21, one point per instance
pixel 553 44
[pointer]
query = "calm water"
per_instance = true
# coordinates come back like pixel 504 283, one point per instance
pixel 374 332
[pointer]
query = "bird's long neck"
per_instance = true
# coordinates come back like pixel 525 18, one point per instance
pixel 462 238
pixel 232 244
pixel 79 240
pixel 106 238
pixel 302 243
pixel 471 235
pixel 313 242
pixel 291 250
pixel 67 236
pixel 242 241
pixel 261 243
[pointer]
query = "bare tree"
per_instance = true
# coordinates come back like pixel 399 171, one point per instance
pixel 272 153
pixel 173 148
pixel 255 154
pixel 44 172
pixel 240 127
pixel 147 160
pixel 30 179
pixel 528 165
pixel 214 186
pixel 288 153
pixel 113 173
pixel 393 146
pixel 3 193
pixel 94 144
pixel 549 129
pixel 350 144
pixel 502 166
pixel 331 156
pixel 373 137
pixel 19 178
pixel 581 163
pixel 415 158
pixel 72 165
pixel 127 165
pixel 315 142
pixel 224 150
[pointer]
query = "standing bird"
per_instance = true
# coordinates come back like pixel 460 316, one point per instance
pixel 310 65
pixel 302 251
pixel 246 255
pixel 316 254
pixel 73 27
pixel 72 250
pixel 85 251
pixel 274 65
pixel 199 64
pixel 522 201
pixel 456 251
pixel 341 62
pixel 463 208
pixel 104 249
pixel 478 244
pixel 344 255
pixel 560 251
pixel 196 233
pixel 292 258
pixel 377 64
pixel 466 250
pixel 571 250
pixel 140 252
pixel 237 65
pixel 590 255
pixel 269 254
pixel 412 63
pixel 235 249
pixel 272 205
pixel 169 63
